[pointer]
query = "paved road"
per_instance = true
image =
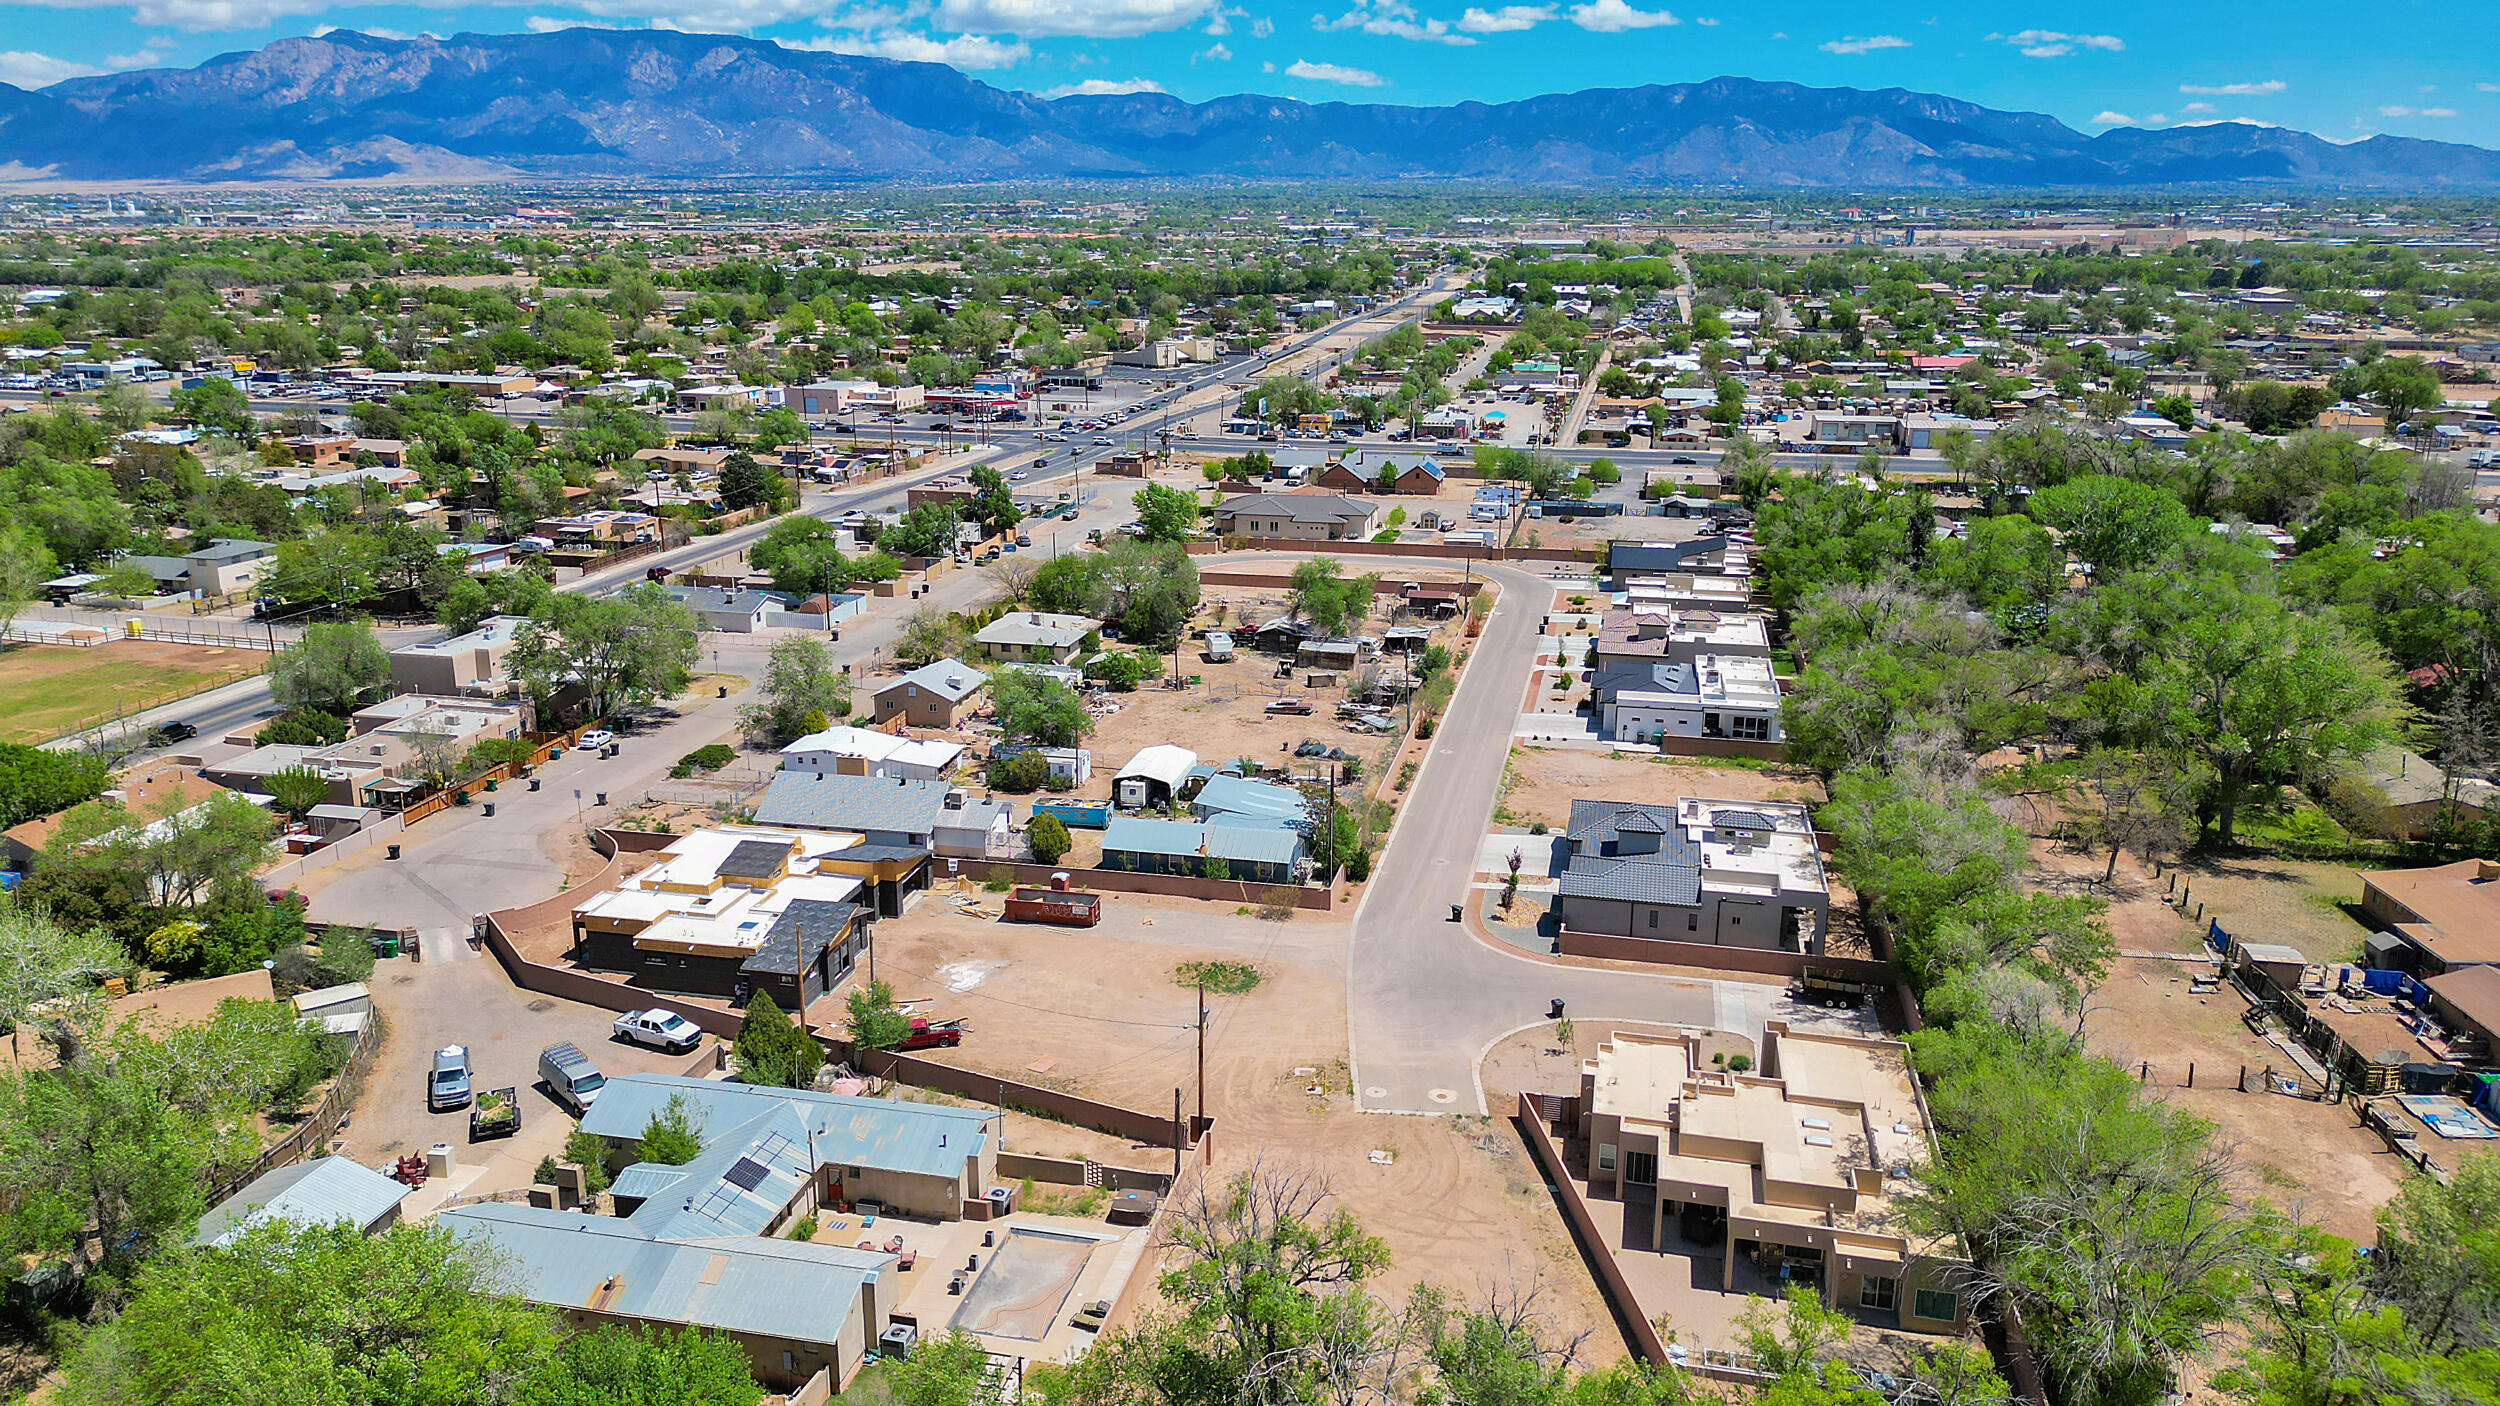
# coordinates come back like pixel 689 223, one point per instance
pixel 1424 998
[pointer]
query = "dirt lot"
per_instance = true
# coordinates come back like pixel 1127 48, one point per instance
pixel 2312 1157
pixel 47 690
pixel 1542 781
pixel 1457 1200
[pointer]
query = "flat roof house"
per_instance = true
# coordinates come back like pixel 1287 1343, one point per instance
pixel 734 911
pixel 1679 636
pixel 470 663
pixel 1719 873
pixel 1797 1173
pixel 939 695
pixel 1306 517
pixel 1734 697
pixel 1034 636
pixel 143 791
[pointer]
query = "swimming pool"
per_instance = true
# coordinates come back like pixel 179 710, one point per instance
pixel 1024 1286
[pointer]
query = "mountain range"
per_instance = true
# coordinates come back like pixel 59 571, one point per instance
pixel 661 104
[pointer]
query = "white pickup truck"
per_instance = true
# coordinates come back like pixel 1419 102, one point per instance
pixel 660 1029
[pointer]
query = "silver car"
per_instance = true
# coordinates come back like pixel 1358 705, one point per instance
pixel 447 1087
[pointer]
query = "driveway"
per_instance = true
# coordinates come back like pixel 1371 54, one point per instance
pixel 1424 998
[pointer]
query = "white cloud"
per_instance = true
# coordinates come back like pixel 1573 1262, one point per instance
pixel 195 16
pixel 2439 112
pixel 2198 107
pixel 1085 19
pixel 1393 19
pixel 1706 22
pixel 1214 53
pixel 2112 119
pixel 1853 44
pixel 2266 89
pixel 2487 87
pixel 1266 66
pixel 1508 19
pixel 1103 88
pixel 1262 27
pixel 1614 17
pixel 2050 43
pixel 1220 19
pixel 1333 73
pixel 969 52
pixel 22 69
pixel 2394 110
pixel 1779 34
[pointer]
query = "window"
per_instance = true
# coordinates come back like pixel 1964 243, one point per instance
pixel 1692 922
pixel 1753 729
pixel 1937 1305
pixel 1605 1157
pixel 1877 1293
pixel 1653 917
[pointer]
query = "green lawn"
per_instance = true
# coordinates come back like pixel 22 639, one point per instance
pixel 49 690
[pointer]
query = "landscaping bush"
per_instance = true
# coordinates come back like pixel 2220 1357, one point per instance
pixel 1049 839
pixel 1022 773
pixel 711 758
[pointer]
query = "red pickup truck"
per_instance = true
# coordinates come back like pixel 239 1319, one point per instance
pixel 927 1034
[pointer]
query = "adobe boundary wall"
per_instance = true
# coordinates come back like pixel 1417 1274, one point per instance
pixel 1760 961
pixel 1610 1277
pixel 1440 551
pixel 1260 580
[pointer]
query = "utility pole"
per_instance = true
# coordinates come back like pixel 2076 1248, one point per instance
pixel 1202 1051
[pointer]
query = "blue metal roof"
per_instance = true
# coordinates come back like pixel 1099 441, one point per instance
pixel 1251 844
pixel 318 1192
pixel 921 1138
pixel 1235 798
pixel 786 1289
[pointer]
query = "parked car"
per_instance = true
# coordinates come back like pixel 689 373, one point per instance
pixel 597 738
pixel 660 1029
pixel 447 1085
pixel 168 733
pixel 1296 707
pixel 570 1076
pixel 927 1034
pixel 1683 459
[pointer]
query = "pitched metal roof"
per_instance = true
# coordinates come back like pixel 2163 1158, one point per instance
pixel 1299 507
pixel 1250 844
pixel 919 1138
pixel 1238 798
pixel 318 1192
pixel 784 1289
pixel 824 801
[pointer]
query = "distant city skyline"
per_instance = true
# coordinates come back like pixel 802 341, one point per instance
pixel 2127 64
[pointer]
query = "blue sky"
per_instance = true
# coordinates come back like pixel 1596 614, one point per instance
pixel 2400 66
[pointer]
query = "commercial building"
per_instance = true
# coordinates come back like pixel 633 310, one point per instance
pixel 396 750
pixel 1797 1172
pixel 1720 873
pixel 470 663
pixel 737 910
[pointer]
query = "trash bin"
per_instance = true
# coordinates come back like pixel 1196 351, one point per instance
pixel 394 851
pixel 724 691
pixel 490 810
pixel 533 783
pixel 386 944
pixel 603 799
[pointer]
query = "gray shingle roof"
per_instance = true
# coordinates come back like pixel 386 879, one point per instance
pixel 1299 507
pixel 1640 878
pixel 754 859
pixel 951 679
pixel 318 1192
pixel 800 935
pixel 817 801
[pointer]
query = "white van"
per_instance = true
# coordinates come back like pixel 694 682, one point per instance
pixel 570 1076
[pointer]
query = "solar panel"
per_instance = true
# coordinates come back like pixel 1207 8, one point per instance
pixel 746 1173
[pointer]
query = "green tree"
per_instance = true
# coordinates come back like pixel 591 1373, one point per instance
pixel 218 404
pixel 673 1136
pixel 320 1313
pixel 334 668
pixel 801 682
pixel 588 1151
pixel 931 633
pixel 615 1366
pixel 297 790
pixel 993 503
pixel 1048 837
pixel 952 1369
pixel 745 483
pixel 924 531
pixel 39 781
pixel 1038 709
pixel 2109 524
pixel 1165 513
pixel 622 652
pixel 773 1049
pixel 874 1022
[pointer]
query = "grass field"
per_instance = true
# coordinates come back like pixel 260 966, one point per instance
pixel 48 689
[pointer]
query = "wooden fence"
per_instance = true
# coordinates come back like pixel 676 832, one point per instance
pixel 326 1116
pixel 450 795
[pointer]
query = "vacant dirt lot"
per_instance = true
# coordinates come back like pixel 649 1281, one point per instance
pixel 47 690
pixel 1099 1011
pixel 1543 781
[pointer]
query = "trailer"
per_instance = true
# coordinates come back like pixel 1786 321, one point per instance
pixel 1076 815
pixel 1070 908
pixel 1831 987
pixel 497 1114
